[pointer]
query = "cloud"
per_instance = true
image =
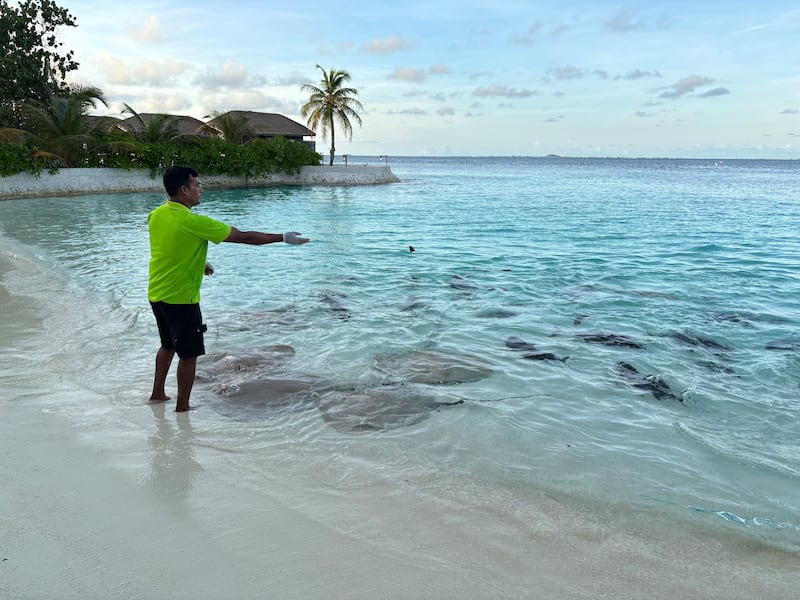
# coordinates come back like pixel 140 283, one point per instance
pixel 144 72
pixel 439 69
pixel 387 45
pixel 537 32
pixel 414 112
pixel 685 86
pixel 503 91
pixel 158 102
pixel 642 114
pixel 570 73
pixel 564 73
pixel 789 111
pixel 149 31
pixel 623 22
pixel 530 37
pixel 292 79
pixel 227 75
pixel 446 111
pixel 638 74
pixel 408 74
pixel 718 91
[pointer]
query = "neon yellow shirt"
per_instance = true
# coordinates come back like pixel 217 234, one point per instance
pixel 178 247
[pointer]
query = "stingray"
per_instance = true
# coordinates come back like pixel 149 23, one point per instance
pixel 335 306
pixel 530 351
pixel 433 367
pixel 652 383
pixel 699 341
pixel 349 409
pixel 253 398
pixel 496 313
pixel 785 344
pixel 222 364
pixel 610 339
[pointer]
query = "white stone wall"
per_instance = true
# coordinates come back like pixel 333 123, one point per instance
pixel 105 181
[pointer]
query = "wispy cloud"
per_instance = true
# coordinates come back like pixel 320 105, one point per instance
pixel 387 45
pixel 149 31
pixel 503 91
pixel 638 74
pixel 789 111
pixel 143 72
pixel 684 86
pixel 718 91
pixel 226 75
pixel 623 22
pixel 407 74
pixel 414 112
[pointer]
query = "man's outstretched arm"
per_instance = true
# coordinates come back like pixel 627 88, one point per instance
pixel 259 238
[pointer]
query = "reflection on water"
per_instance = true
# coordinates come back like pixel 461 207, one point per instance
pixel 172 464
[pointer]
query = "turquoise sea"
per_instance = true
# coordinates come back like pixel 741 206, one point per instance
pixel 685 270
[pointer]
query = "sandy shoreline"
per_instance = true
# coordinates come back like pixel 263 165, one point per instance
pixel 103 181
pixel 135 503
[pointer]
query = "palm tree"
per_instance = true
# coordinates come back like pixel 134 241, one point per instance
pixel 62 123
pixel 231 126
pixel 331 102
pixel 155 129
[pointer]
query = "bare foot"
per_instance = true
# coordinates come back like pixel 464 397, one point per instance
pixel 184 408
pixel 155 400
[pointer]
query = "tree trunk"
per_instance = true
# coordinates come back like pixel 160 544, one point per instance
pixel 333 145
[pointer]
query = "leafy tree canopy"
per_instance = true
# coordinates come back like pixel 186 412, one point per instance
pixel 34 64
pixel 332 102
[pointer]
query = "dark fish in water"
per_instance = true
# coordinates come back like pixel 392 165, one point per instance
pixel 433 367
pixel 653 384
pixel 611 339
pixel 715 366
pixel 352 409
pixel 496 313
pixel 532 351
pixel 545 356
pixel 787 344
pixel 339 310
pixel 516 343
pixel 699 341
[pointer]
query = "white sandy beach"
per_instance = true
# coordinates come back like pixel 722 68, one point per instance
pixel 104 496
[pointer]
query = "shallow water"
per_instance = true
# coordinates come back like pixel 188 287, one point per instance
pixel 540 249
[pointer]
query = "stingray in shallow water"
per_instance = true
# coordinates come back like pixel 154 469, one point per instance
pixel 652 383
pixel 260 398
pixel 349 409
pixel 344 408
pixel 335 305
pixel 611 339
pixel 226 364
pixel 530 351
pixel 699 341
pixel 785 344
pixel 433 367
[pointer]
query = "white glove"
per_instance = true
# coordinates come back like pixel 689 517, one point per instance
pixel 293 237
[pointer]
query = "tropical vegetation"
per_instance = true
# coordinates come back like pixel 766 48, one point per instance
pixel 45 122
pixel 332 103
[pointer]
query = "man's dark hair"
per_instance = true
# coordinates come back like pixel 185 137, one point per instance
pixel 177 176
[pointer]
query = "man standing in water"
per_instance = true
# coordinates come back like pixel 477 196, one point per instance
pixel 178 247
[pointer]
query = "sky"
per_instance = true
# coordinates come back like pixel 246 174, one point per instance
pixel 648 78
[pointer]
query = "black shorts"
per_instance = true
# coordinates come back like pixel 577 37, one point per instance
pixel 180 327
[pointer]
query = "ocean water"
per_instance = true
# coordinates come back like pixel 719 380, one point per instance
pixel 693 264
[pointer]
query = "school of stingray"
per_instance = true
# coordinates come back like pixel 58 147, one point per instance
pixel 405 395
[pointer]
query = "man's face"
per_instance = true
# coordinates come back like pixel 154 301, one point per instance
pixel 191 192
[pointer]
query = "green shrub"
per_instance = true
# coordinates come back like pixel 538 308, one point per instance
pixel 210 156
